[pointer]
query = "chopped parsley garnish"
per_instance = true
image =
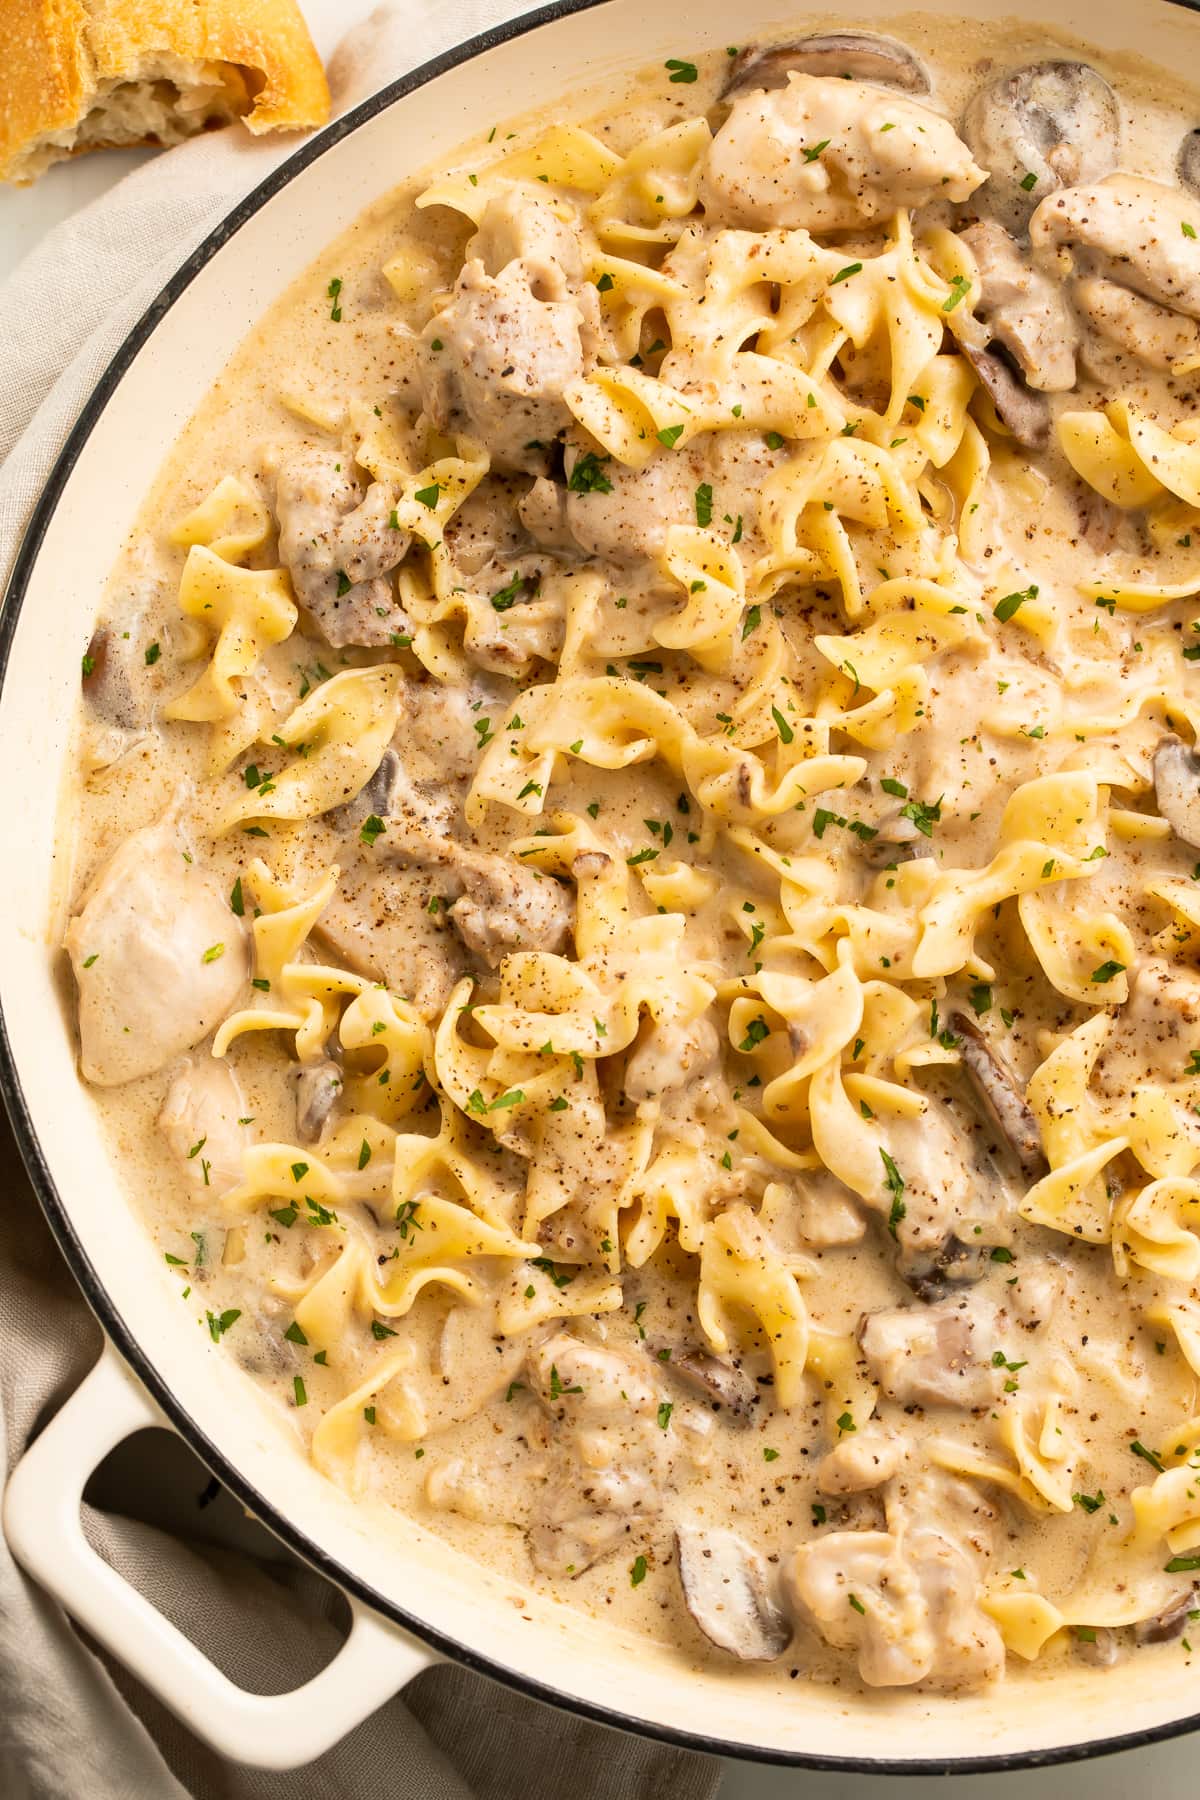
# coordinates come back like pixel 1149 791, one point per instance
pixel 786 734
pixel 923 817
pixel 556 1387
pixel 219 1323
pixel 664 1415
pixel 757 1031
pixel 670 435
pixel 295 1334
pixel 637 1571
pixel 237 903
pixel 587 476
pixel 850 269
pixel 960 287
pixel 846 1423
pixel 153 652
pixel 1139 1449
pixel 679 71
pixel 333 295
pixel 214 953
pixel 509 594
pixel 895 1186
pixel 814 150
pixel 373 827
pixel 1107 971
pixel 981 998
pixel 704 503
pixel 1029 181
pixel 429 496
pixel 1005 608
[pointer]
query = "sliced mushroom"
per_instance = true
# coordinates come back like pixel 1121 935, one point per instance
pixel 1177 789
pixel 725 1589
pixel 1000 1093
pixel 713 1378
pixel 1187 166
pixel 896 839
pixel 1058 122
pixel 855 55
pixel 1022 309
pixel 318 1091
pixel 1168 1624
pixel 953 1264
pixel 1026 414
pixel 1099 1647
pixel 376 799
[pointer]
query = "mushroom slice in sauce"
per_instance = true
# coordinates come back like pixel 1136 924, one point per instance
pixel 1022 309
pixel 1026 414
pixel 714 1379
pixel 1056 121
pixel 318 1090
pixel 1177 789
pixel 856 55
pixel 998 1089
pixel 896 839
pixel 1187 166
pixel 725 1589
pixel 1170 1623
pixel 1099 1648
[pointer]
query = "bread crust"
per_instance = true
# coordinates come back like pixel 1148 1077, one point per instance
pixel 58 56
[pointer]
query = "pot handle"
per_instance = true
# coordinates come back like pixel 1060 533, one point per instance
pixel 44 1530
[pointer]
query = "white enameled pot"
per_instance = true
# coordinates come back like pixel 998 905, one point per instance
pixel 414 1599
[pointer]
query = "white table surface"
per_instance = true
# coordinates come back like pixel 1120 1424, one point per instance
pixel 1167 1771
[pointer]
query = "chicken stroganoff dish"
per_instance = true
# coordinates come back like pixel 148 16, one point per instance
pixel 636 898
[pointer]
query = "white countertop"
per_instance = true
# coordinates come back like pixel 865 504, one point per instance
pixel 1167 1771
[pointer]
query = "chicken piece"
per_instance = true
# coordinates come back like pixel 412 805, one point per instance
pixel 506 907
pixel 201 1121
pixel 1156 1035
pixel 339 545
pixel 859 1463
pixel 827 1213
pixel 906 1604
pixel 379 923
pixel 1131 325
pixel 1023 309
pixel 929 1355
pixel 613 1457
pixel 485 529
pixel 622 515
pixel 945 1201
pixel 159 958
pixel 670 1055
pixel 872 152
pixel 519 327
pixel 1129 229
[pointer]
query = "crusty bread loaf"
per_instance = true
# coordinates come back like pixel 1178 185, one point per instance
pixel 83 74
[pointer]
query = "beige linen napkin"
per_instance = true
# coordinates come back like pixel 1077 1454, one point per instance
pixel 72 1724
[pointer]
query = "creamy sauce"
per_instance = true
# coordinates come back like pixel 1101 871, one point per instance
pixel 978 1440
